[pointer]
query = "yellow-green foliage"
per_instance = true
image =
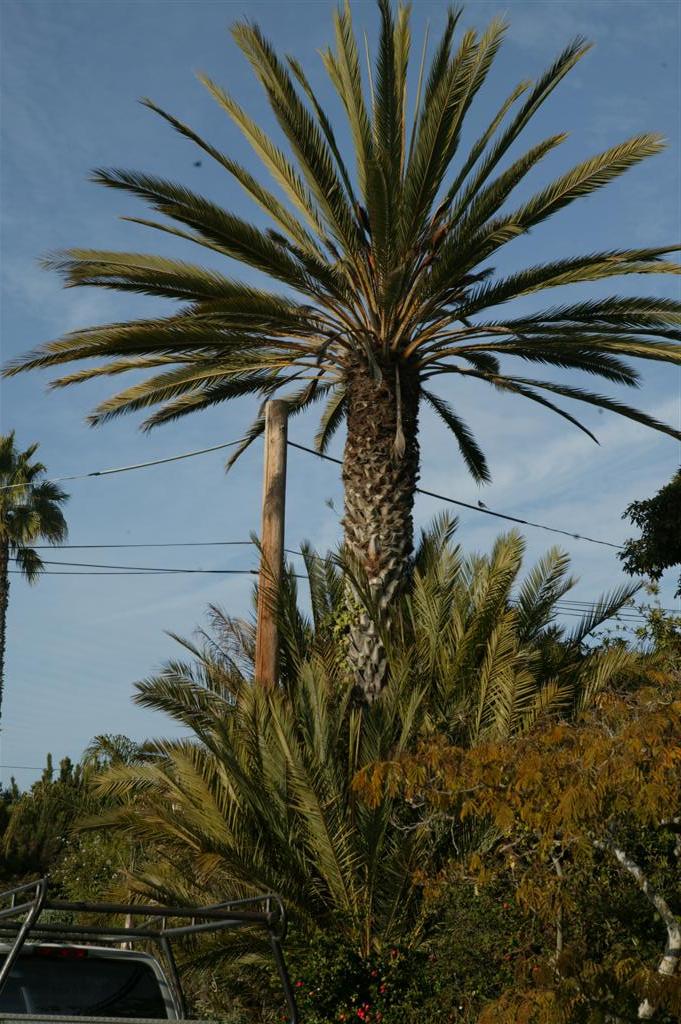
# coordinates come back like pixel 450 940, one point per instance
pixel 568 802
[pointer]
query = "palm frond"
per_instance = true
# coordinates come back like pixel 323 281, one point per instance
pixel 390 81
pixel 546 583
pixel 631 311
pixel 29 562
pixel 144 273
pixel 193 380
pixel 567 354
pixel 468 446
pixel 592 267
pixel 480 145
pixel 488 200
pixel 325 125
pixel 272 157
pixel 305 138
pixel 601 402
pixel 267 201
pixel 436 131
pixel 606 607
pixel 584 179
pixel 343 68
pixel 540 92
pixel 222 231
pixel 514 385
pixel 332 417
pixel 194 400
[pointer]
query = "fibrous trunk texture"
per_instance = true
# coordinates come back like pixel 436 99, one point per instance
pixel 4 598
pixel 380 472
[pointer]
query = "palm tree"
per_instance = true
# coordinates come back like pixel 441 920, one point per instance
pixel 111 748
pixel 388 284
pixel 259 793
pixel 29 511
pixel 487 646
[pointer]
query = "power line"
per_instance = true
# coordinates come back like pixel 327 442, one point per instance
pixel 125 469
pixel 141 572
pixel 565 611
pixel 215 543
pixel 170 544
pixel 626 615
pixel 106 569
pixel 476 508
pixel 153 544
pixel 136 570
pixel 145 568
pixel 319 455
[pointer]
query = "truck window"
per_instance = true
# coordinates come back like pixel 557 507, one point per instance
pixel 91 986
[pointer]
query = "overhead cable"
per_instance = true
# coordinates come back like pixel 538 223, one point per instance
pixel 124 469
pixel 478 508
pixel 327 458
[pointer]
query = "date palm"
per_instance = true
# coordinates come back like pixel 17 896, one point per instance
pixel 388 285
pixel 260 794
pixel 29 511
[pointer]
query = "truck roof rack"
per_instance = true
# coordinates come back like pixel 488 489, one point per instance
pixel 21 920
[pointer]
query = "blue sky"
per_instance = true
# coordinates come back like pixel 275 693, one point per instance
pixel 72 73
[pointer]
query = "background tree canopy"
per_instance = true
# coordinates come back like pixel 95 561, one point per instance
pixel 659 546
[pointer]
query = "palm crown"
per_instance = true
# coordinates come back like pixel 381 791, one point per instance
pixel 29 507
pixel 387 281
pixel 29 511
pixel 390 263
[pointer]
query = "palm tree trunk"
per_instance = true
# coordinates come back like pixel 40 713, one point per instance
pixel 4 598
pixel 380 471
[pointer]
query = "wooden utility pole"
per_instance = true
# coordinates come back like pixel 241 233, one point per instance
pixel 272 541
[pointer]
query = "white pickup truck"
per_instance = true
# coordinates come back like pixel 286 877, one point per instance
pixel 54 971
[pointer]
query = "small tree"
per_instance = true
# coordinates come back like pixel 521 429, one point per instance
pixel 29 511
pixel 578 810
pixel 258 793
pixel 659 546
pixel 40 819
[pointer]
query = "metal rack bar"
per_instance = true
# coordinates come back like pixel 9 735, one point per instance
pixel 93 931
pixel 16 909
pixel 209 926
pixel 215 917
pixel 144 910
pixel 173 972
pixel 29 921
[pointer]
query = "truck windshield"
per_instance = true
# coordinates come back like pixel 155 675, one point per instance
pixel 92 986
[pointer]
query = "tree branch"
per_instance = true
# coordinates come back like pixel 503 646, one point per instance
pixel 669 963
